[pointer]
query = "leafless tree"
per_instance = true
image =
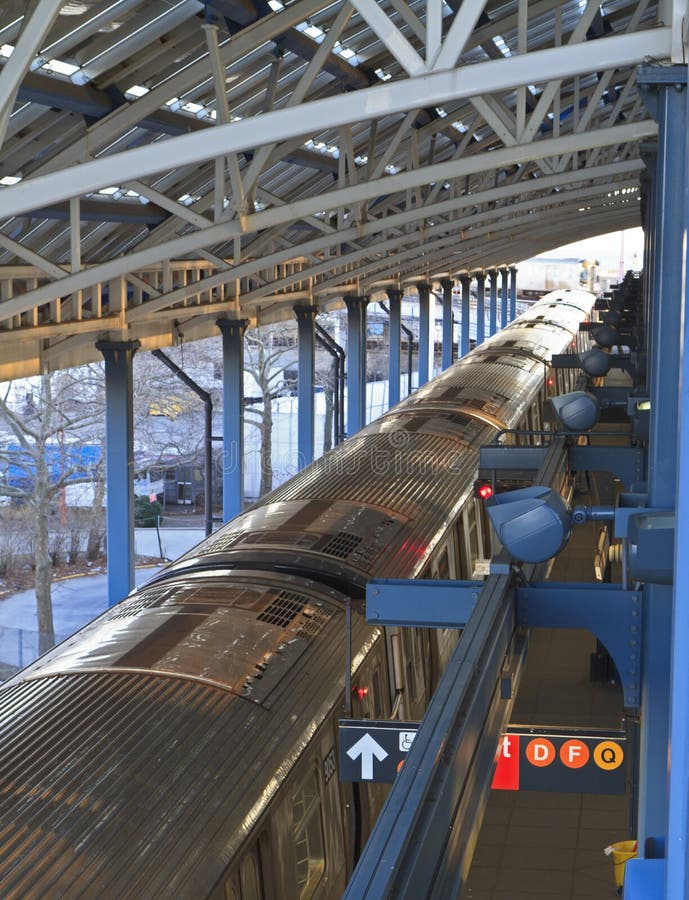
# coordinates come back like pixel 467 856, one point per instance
pixel 267 352
pixel 56 410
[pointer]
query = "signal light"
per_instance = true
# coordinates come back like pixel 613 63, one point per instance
pixel 361 692
pixel 483 490
pixel 550 381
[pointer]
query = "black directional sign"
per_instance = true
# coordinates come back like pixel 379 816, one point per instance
pixel 374 750
pixel 561 759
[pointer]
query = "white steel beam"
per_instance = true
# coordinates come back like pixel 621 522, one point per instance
pixel 352 193
pixel 390 35
pixel 104 132
pixel 33 31
pixel 590 10
pixel 434 29
pixel 434 89
pixel 299 93
pixel 33 259
pixel 459 34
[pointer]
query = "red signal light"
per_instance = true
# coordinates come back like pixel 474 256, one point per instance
pixel 484 491
pixel 361 692
pixel 550 381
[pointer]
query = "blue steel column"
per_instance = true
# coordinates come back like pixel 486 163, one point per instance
pixel 677 884
pixel 394 345
pixel 424 330
pixel 493 321
pixel 648 219
pixel 480 307
pixel 447 285
pixel 504 293
pixel 465 281
pixel 233 415
pixel 513 293
pixel 306 316
pixel 119 465
pixel 663 89
pixel 356 363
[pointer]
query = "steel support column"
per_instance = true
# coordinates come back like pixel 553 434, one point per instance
pixel 677 884
pixel 493 320
pixel 465 281
pixel 649 220
pixel 664 91
pixel 119 465
pixel 233 416
pixel 424 331
pixel 513 293
pixel 480 307
pixel 356 363
pixel 306 316
pixel 394 345
pixel 447 285
pixel 504 294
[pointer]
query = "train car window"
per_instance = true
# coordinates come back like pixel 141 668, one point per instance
pixel 410 665
pixel 232 888
pixel 250 876
pixel 472 534
pixel 308 836
pixel 464 570
pixel 246 883
pixel 376 695
pixel 441 568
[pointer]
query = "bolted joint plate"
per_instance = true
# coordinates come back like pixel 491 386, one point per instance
pixel 612 614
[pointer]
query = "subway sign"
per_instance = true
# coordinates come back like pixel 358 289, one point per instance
pixel 561 759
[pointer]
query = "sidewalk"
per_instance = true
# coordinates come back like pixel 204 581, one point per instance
pixel 79 599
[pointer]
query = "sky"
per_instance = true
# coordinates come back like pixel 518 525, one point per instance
pixel 608 249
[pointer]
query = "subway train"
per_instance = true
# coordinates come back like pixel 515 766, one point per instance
pixel 184 744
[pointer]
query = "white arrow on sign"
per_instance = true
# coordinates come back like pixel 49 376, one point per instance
pixel 366 747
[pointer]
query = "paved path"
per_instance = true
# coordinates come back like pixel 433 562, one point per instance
pixel 78 600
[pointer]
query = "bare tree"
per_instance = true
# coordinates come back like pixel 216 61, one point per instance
pixel 268 351
pixel 56 410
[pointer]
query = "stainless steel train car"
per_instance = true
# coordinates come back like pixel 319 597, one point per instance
pixel 183 745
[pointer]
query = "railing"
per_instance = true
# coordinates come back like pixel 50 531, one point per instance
pixel 18 648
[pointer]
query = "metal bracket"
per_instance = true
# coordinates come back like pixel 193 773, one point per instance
pixel 613 615
pixel 627 463
pixel 421 603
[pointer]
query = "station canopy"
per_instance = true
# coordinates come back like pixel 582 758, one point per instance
pixel 165 163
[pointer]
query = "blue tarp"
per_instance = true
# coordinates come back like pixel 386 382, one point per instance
pixel 74 462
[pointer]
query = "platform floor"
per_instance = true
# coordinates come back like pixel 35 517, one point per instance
pixel 549 846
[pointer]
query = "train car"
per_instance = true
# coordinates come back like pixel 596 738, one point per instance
pixel 184 743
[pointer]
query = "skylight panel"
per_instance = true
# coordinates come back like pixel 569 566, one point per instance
pixel 61 67
pixel 136 90
pixel 501 45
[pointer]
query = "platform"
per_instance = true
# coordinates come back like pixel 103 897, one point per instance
pixel 549 846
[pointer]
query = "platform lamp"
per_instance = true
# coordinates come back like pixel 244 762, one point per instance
pixel 577 411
